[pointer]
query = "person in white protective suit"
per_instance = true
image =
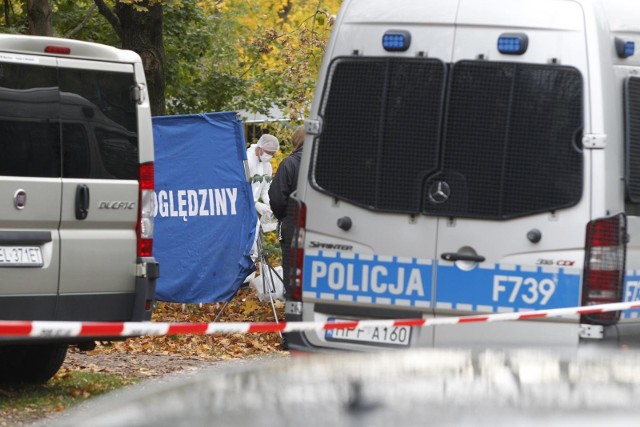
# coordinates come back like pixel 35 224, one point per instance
pixel 259 157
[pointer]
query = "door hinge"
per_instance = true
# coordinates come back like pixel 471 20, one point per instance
pixel 312 127
pixel 137 93
pixel 594 141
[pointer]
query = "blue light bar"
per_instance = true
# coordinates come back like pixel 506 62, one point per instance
pixel 396 40
pixel 513 44
pixel 625 49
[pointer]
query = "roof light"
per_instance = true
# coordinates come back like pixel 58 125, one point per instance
pixel 513 44
pixel 625 49
pixel 396 40
pixel 60 50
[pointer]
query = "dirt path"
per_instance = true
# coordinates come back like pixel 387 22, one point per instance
pixel 134 365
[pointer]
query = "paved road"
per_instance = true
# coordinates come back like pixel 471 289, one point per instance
pixel 414 387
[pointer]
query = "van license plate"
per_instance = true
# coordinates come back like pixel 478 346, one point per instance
pixel 392 335
pixel 20 256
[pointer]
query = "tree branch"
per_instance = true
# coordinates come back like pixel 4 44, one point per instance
pixel 80 26
pixel 110 16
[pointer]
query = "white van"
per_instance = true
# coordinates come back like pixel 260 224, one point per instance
pixel 76 193
pixel 466 157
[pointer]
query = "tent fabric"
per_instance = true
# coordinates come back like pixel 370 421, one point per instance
pixel 205 220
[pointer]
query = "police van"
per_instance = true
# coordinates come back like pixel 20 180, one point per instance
pixel 471 157
pixel 76 194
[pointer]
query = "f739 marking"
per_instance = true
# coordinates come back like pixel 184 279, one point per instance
pixel 633 291
pixel 525 289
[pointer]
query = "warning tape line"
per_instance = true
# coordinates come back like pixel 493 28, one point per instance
pixel 37 328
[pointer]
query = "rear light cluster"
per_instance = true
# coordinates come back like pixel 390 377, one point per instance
pixel 604 266
pixel 297 249
pixel 146 203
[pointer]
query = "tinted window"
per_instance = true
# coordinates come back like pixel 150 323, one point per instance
pixel 109 92
pixel 119 153
pixel 29 121
pixel 504 142
pixel 29 148
pixel 34 100
pixel 512 143
pixel 381 128
pixel 632 121
pixel 76 158
pixel 103 101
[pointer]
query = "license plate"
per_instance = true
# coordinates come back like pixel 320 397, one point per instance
pixel 20 256
pixel 390 335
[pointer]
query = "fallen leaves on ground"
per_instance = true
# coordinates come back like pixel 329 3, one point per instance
pixel 244 307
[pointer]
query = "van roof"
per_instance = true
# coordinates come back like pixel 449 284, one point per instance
pixel 609 18
pixel 78 49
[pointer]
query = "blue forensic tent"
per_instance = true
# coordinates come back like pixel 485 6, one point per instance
pixel 205 219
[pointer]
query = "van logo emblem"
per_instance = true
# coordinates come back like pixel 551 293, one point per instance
pixel 117 205
pixel 439 192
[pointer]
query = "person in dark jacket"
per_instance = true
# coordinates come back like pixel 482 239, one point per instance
pixel 283 184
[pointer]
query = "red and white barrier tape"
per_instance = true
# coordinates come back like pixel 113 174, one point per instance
pixel 16 328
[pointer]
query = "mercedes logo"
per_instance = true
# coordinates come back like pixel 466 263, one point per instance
pixel 439 192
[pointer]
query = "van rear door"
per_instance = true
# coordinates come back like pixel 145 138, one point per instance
pixel 381 117
pixel 100 168
pixel 512 215
pixel 30 187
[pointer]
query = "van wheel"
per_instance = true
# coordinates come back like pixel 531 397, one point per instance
pixel 30 363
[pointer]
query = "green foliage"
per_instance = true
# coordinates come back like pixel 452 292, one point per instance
pixel 271 249
pixel 239 55
pixel 199 70
pixel 67 15
pixel 66 389
pixel 221 55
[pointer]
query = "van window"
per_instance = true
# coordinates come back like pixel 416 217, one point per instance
pixel 504 141
pixel 29 148
pixel 632 138
pixel 76 157
pixel 381 131
pixel 512 143
pixel 35 99
pixel 108 104
pixel 119 153
pixel 29 141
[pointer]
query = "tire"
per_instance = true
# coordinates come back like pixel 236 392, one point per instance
pixel 30 363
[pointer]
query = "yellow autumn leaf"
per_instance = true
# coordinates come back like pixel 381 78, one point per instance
pixel 250 306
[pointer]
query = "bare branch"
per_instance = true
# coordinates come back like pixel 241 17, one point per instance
pixel 110 16
pixel 80 26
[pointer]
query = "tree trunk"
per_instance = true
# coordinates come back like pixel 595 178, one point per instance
pixel 142 33
pixel 7 14
pixel 39 15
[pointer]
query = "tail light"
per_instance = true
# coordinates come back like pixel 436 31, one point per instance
pixel 146 201
pixel 58 50
pixel 297 249
pixel 604 267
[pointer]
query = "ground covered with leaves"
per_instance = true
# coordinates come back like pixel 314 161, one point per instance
pixel 159 355
pixel 117 364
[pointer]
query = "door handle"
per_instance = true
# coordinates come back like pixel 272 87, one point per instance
pixel 455 256
pixel 82 201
